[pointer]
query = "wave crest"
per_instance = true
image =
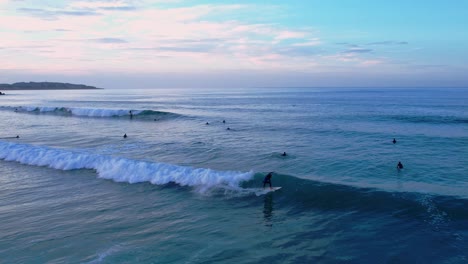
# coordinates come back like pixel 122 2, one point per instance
pixel 122 169
pixel 89 112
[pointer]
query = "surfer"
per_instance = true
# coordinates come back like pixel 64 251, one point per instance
pixel 207 123
pixel 224 121
pixel 125 135
pixel 284 154
pixel 399 165
pixel 228 128
pixel 131 114
pixel 394 141
pixel 267 179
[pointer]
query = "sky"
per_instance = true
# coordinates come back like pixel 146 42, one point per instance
pixel 224 43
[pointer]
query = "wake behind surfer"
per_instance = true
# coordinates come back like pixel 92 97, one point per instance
pixel 267 179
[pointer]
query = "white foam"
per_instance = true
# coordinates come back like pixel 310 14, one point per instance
pixel 90 112
pixel 121 169
pixel 97 112
pixel 39 109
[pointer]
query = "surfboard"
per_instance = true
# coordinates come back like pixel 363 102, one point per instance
pixel 273 189
pixel 262 191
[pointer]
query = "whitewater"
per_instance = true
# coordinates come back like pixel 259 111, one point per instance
pixel 185 185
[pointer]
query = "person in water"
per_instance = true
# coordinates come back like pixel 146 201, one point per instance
pixel 284 154
pixel 125 135
pixel 224 121
pixel 131 114
pixel 394 141
pixel 207 123
pixel 399 165
pixel 267 179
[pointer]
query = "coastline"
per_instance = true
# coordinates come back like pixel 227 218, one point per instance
pixel 39 89
pixel 45 86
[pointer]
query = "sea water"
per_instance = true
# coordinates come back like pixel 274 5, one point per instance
pixel 183 188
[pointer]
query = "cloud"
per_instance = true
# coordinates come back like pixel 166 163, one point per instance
pixel 298 50
pixel 389 43
pixel 184 45
pixel 308 43
pixel 119 8
pixel 114 5
pixel 125 36
pixel 377 43
pixel 192 48
pixel 78 8
pixel 283 35
pixel 52 14
pixel 357 50
pixel 186 48
pixel 109 40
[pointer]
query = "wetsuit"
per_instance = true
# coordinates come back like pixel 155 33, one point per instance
pixel 400 166
pixel 267 180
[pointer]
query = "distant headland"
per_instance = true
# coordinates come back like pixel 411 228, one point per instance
pixel 45 86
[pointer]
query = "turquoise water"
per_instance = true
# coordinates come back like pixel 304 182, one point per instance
pixel 177 190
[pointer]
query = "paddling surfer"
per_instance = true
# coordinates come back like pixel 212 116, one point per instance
pixel 399 165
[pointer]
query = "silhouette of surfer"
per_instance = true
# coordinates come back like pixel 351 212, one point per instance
pixel 125 135
pixel 207 123
pixel 268 180
pixel 284 154
pixel 131 114
pixel 399 166
pixel 394 141
pixel 224 121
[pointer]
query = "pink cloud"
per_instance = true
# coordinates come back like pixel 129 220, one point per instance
pixel 152 40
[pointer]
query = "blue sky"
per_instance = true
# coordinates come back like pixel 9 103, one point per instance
pixel 201 43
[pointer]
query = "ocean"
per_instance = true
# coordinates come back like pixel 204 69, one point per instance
pixel 183 188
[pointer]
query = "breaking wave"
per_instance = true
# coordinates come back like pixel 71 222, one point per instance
pixel 90 112
pixel 297 193
pixel 122 169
